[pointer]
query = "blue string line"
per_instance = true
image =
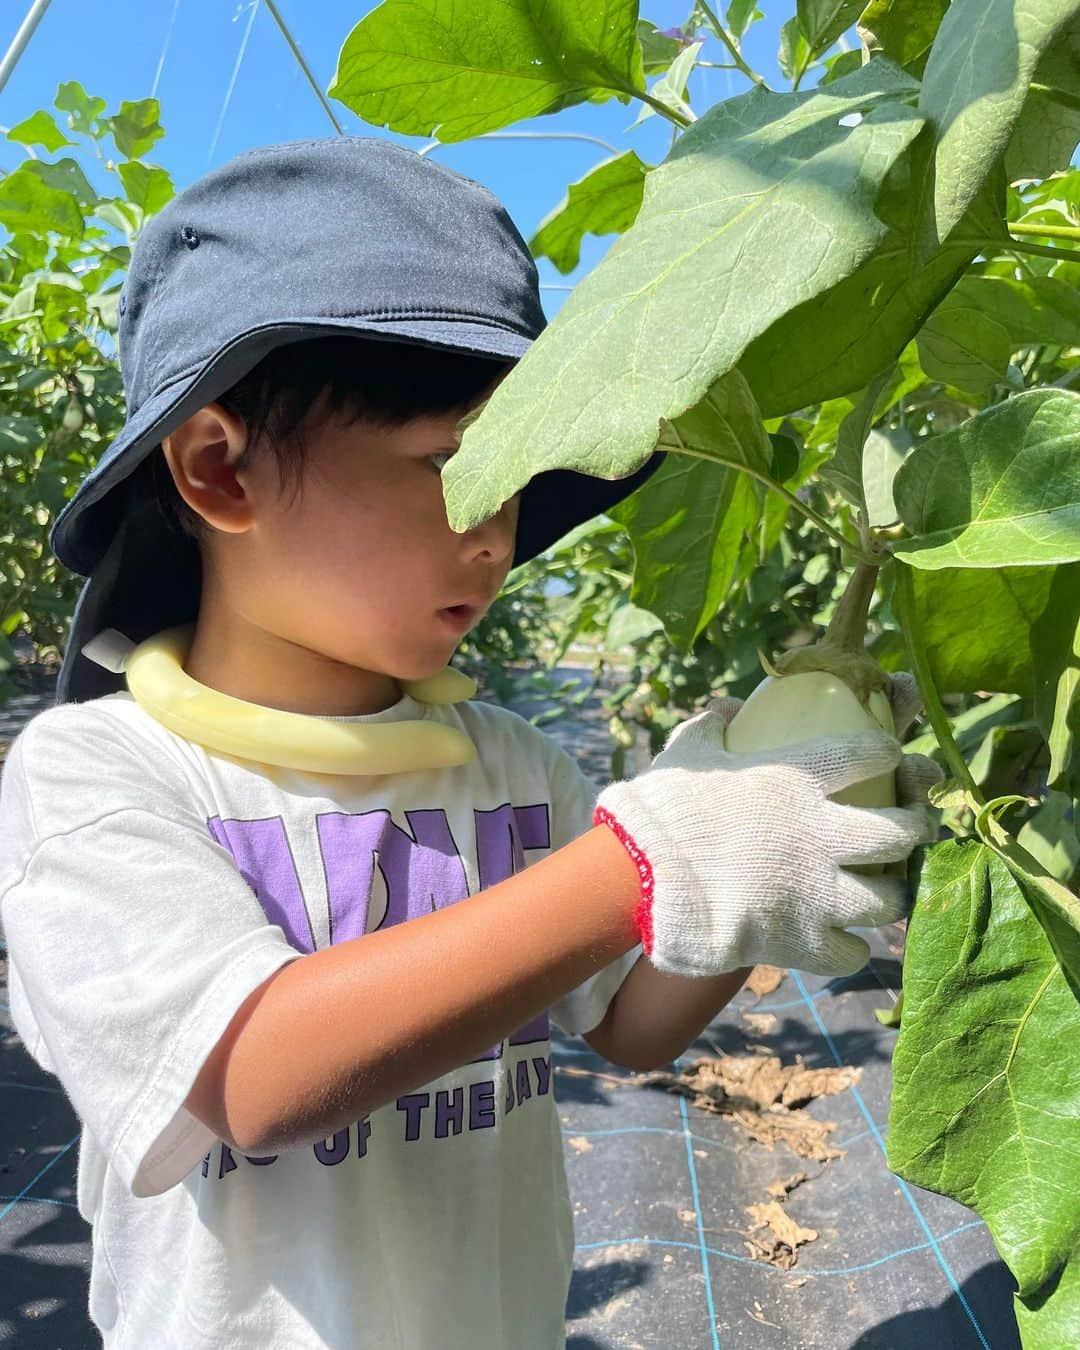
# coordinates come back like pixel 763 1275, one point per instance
pixel 776 1270
pixel 34 1181
pixel 701 1231
pixel 164 49
pixel 831 988
pixel 232 81
pixel 932 1241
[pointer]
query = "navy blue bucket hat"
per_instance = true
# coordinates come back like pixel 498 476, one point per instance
pixel 284 243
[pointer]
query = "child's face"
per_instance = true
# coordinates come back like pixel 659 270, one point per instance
pixel 357 572
pixel 365 555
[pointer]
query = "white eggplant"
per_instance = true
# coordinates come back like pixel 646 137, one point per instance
pixel 802 707
pixel 831 687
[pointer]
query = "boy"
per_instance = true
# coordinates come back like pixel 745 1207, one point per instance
pixel 302 1012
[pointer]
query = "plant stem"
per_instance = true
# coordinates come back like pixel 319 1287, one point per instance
pixel 1045 231
pixel 847 628
pixel 789 497
pixel 1041 251
pixel 729 42
pixel 903 604
pixel 519 135
pixel 661 108
pixel 291 41
pixel 1058 95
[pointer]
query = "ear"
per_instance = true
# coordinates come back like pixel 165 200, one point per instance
pixel 202 455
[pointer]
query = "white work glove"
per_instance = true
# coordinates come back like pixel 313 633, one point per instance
pixel 742 856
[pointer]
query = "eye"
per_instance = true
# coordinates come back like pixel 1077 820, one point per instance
pixel 439 459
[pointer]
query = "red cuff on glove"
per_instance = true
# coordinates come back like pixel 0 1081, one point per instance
pixel 643 913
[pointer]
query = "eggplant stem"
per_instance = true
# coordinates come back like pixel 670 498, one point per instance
pixel 847 629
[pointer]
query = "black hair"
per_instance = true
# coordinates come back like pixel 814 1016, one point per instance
pixel 387 384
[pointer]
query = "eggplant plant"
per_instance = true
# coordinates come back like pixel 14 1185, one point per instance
pixel 853 305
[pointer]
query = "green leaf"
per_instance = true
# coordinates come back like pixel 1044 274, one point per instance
pixel 146 185
pixel 740 15
pixel 985 1107
pixel 785 457
pixel 688 521
pixel 840 339
pixel 824 20
pixel 135 127
pixel 72 98
pixel 964 347
pixel 885 450
pixel 39 129
pixel 843 63
pixel 65 176
pixel 629 624
pixel 794 51
pixel 26 203
pixel 657 51
pixel 670 88
pixel 1001 490
pixel 762 186
pixel 995 652
pixel 1047 834
pixel 891 1016
pixel 687 524
pixel 902 29
pixel 972 104
pixel 1055 653
pixel 605 201
pixel 1048 128
pixel 438 68
pixel 844 470
pixel 1032 310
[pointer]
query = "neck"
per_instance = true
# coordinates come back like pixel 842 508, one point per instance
pixel 248 662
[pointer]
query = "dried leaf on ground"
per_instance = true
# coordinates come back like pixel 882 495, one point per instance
pixel 763 1096
pixel 775 1237
pixel 763 980
pixel 784 1188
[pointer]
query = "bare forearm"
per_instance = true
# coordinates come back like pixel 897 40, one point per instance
pixel 655 1016
pixel 347 1029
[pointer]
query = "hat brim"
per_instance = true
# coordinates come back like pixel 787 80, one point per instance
pixel 82 531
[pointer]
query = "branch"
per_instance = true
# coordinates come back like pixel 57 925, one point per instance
pixel 726 38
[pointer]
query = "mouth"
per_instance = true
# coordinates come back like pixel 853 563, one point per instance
pixel 460 617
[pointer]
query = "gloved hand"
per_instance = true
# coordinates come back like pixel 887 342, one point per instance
pixel 741 856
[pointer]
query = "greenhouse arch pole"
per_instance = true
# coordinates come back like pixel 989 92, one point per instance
pixel 18 43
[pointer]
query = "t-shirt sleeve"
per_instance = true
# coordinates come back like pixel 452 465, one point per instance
pixel 573 797
pixel 132 941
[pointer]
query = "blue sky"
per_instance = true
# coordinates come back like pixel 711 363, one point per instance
pixel 184 53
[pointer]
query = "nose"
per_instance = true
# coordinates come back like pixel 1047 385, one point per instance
pixel 493 540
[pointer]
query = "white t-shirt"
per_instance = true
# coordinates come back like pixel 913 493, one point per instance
pixel 147 886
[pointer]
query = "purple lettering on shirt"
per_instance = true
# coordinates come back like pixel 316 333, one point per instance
pixel 445 1114
pixel 481 1105
pixel 422 874
pixel 261 852
pixel 543 1075
pixel 524 1087
pixel 503 835
pixel 331 1152
pixel 414 1105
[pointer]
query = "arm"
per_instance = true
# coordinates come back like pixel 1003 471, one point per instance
pixel 655 1016
pixel 339 1032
